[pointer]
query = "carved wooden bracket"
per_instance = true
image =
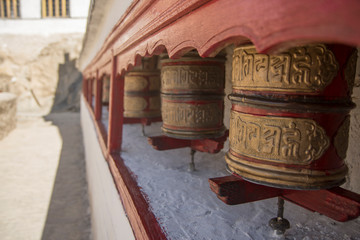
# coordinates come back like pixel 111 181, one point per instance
pixel 213 145
pixel 336 203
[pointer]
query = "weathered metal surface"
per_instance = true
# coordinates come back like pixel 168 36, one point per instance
pixel 192 96
pixel 106 90
pixel 289 126
pixel 142 91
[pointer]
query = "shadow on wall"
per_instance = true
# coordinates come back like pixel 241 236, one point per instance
pixel 68 214
pixel 68 90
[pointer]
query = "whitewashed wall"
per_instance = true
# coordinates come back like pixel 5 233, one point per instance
pixel 108 218
pixel 31 22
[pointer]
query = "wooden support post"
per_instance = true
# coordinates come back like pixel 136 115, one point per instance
pixel 89 93
pixel 98 97
pixel 85 88
pixel 336 203
pixel 116 110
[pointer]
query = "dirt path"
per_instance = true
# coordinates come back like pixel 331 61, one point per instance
pixel 43 190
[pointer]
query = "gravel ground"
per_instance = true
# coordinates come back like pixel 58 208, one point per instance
pixel 43 188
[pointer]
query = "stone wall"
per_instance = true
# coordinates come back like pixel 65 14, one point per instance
pixel 7 113
pixel 31 66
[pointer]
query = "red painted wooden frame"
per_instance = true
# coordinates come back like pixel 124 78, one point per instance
pixel 149 27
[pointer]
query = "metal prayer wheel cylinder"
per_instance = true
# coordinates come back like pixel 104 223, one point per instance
pixel 106 90
pixel 192 96
pixel 290 119
pixel 142 91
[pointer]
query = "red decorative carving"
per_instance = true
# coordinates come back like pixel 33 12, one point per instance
pixel 151 26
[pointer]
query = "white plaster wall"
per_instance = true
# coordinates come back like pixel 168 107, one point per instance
pixel 79 8
pixel 108 218
pixel 30 9
pixel 46 26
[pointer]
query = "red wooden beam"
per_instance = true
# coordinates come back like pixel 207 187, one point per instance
pixel 336 203
pixel 98 97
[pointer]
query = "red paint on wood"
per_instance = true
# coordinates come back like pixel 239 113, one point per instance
pixel 202 145
pixel 166 143
pixel 213 145
pixel 151 26
pixel 116 110
pixel 98 98
pixel 90 90
pixel 233 190
pixel 336 203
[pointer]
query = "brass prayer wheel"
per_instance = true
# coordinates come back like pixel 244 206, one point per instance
pixel 290 119
pixel 106 90
pixel 142 91
pixel 192 96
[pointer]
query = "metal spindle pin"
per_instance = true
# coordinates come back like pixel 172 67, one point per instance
pixel 192 162
pixel 143 130
pixel 279 224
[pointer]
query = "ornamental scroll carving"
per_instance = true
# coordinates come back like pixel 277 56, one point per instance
pixel 300 69
pixel 278 139
pixel 192 116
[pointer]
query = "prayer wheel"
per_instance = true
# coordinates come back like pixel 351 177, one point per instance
pixel 142 91
pixel 106 90
pixel 192 96
pixel 290 119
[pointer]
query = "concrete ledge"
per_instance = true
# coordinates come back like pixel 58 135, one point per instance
pixel 7 113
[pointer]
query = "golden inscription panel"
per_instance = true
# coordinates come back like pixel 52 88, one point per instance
pixel 191 77
pixel 300 69
pixel 135 83
pixel 277 139
pixel 192 116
